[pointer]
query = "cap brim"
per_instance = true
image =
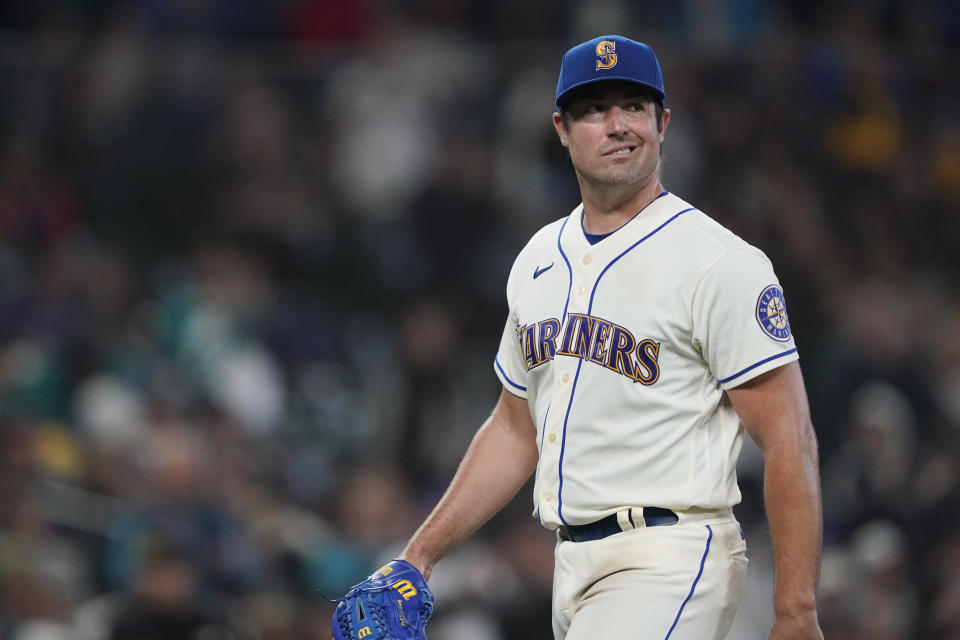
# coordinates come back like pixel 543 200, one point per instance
pixel 563 98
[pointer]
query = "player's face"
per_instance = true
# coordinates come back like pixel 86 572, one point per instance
pixel 612 135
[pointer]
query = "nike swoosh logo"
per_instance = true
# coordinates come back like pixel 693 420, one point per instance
pixel 539 272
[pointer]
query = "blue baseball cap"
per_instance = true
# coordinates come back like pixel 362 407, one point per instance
pixel 609 58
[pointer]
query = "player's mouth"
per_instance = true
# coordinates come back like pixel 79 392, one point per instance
pixel 622 150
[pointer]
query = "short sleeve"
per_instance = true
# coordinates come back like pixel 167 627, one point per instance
pixel 740 320
pixel 509 363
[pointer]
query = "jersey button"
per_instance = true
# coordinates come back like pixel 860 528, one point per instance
pixel 548 496
pixel 565 378
pixel 587 260
pixel 581 291
pixel 552 438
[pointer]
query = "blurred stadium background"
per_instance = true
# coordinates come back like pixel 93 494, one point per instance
pixel 252 262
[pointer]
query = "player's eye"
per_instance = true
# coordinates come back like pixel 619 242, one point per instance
pixel 635 106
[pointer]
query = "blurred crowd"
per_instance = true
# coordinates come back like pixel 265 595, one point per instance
pixel 252 269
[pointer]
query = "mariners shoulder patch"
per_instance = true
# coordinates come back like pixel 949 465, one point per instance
pixel 771 313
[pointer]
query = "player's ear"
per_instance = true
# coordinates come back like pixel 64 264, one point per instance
pixel 561 126
pixel 664 121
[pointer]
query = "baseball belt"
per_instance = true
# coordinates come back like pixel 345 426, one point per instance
pixel 652 517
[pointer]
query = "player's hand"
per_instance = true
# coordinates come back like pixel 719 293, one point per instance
pixel 796 627
pixel 394 603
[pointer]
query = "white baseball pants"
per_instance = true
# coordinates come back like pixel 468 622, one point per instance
pixel 676 582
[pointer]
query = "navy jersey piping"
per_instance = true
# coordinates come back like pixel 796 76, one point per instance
pixel 594 238
pixel 576 377
pixel 563 318
pixel 756 364
pixel 631 248
pixel 496 361
pixel 566 305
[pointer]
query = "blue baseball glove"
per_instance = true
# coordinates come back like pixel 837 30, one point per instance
pixel 392 604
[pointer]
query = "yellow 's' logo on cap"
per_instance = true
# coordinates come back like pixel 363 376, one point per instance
pixel 606 57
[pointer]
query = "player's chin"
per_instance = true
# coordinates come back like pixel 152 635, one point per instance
pixel 613 173
pixel 615 178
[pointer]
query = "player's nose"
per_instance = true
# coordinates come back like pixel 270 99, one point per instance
pixel 616 119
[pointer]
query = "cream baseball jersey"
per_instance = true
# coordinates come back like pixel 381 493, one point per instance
pixel 623 350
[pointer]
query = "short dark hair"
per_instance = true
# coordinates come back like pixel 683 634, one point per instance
pixel 647 94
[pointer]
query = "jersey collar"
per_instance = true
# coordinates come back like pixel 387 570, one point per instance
pixel 647 219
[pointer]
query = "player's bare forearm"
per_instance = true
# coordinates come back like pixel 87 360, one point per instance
pixel 792 497
pixel 499 461
pixel 774 410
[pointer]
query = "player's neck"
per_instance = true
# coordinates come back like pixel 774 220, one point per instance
pixel 607 210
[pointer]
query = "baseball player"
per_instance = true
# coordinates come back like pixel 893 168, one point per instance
pixel 643 339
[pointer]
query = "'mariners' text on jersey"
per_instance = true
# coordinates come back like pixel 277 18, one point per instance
pixel 594 340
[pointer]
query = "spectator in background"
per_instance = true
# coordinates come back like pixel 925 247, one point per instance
pixel 167 601
pixel 130 132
